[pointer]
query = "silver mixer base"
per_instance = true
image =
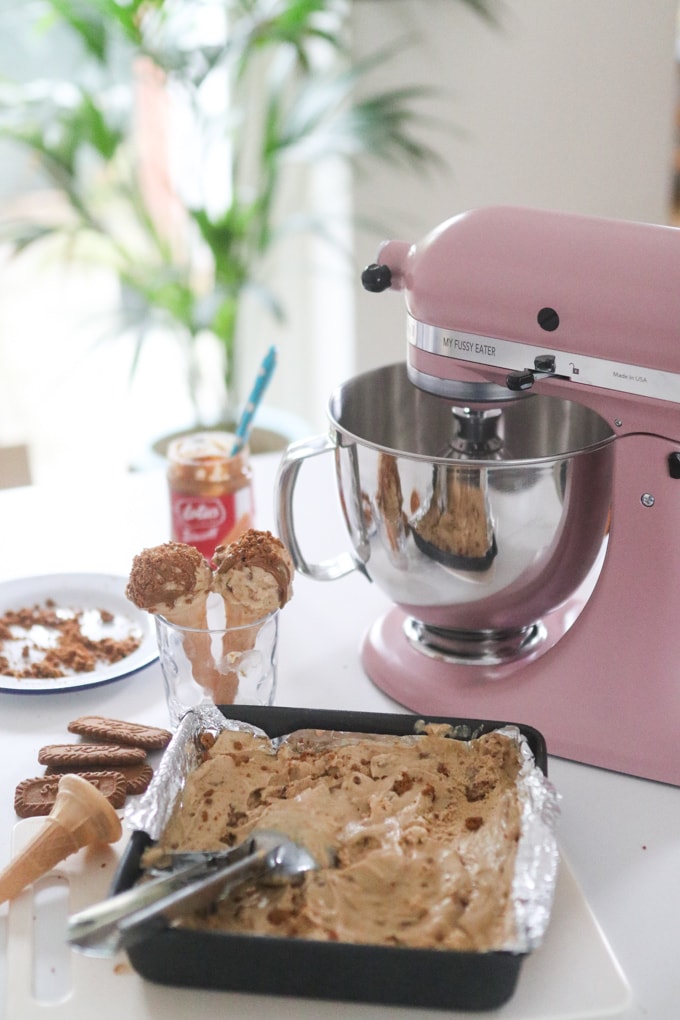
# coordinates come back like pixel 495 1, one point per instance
pixel 487 648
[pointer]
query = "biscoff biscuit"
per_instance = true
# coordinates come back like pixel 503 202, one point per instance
pixel 35 797
pixel 119 731
pixel 137 776
pixel 90 754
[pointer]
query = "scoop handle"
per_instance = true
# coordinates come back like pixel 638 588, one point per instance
pixel 133 915
pixel 289 469
pixel 150 919
pixel 93 930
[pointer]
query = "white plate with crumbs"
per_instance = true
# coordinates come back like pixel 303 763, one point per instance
pixel 80 628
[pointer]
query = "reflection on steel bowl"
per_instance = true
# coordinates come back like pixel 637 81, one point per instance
pixel 471 519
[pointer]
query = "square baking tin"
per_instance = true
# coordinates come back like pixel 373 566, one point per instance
pixel 395 975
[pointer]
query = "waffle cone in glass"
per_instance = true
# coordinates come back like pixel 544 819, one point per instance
pixel 191 616
pixel 242 629
pixel 254 577
pixel 174 580
pixel 239 638
pixel 210 619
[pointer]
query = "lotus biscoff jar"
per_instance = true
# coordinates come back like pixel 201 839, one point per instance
pixel 211 491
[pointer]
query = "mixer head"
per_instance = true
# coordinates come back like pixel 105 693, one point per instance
pixel 503 301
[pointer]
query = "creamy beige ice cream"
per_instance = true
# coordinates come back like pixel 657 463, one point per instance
pixel 254 576
pixel 174 580
pixel 416 837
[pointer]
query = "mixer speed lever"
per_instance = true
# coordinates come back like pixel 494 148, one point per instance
pixel 544 364
pixel 520 380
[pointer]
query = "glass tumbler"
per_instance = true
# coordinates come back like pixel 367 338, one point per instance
pixel 222 666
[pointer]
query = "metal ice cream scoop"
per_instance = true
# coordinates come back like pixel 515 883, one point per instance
pixel 195 880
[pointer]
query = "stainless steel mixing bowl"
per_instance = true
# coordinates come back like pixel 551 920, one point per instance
pixel 476 521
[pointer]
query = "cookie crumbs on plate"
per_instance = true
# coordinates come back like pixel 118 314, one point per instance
pixel 61 647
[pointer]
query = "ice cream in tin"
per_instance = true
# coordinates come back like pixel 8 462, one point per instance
pixel 418 838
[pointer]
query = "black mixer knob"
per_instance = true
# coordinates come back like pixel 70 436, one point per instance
pixel 518 381
pixel 548 319
pixel 376 278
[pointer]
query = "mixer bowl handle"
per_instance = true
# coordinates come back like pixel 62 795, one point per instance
pixel 293 458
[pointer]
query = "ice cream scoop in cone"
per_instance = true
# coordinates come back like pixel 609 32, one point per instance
pixel 81 816
pixel 254 576
pixel 174 581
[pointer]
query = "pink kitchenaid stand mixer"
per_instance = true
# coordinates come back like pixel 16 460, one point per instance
pixel 506 306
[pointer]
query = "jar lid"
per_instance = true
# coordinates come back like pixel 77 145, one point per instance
pixel 207 455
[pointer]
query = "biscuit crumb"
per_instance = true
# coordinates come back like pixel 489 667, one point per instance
pixel 54 643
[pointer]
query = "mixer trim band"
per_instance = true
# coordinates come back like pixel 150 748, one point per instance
pixel 512 356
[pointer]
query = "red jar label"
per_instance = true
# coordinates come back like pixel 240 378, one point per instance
pixel 206 522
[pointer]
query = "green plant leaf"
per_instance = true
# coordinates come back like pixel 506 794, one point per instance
pixel 295 97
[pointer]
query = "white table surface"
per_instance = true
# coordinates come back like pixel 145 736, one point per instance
pixel 620 835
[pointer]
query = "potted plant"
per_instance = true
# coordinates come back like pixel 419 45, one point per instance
pixel 261 87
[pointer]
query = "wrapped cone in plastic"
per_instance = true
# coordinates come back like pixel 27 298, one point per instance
pixel 81 816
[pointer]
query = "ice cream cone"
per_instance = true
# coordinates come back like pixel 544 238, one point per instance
pixel 241 629
pixel 174 580
pixel 197 641
pixel 224 684
pixel 81 816
pixel 254 577
pixel 192 617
